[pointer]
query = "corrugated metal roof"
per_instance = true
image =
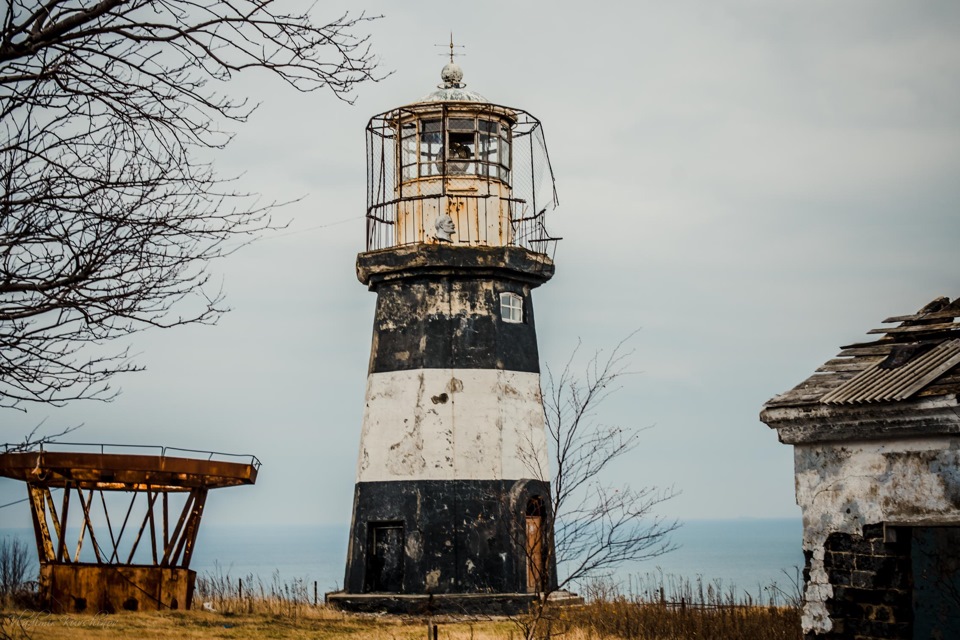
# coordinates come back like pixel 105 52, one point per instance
pixel 919 357
pixel 879 383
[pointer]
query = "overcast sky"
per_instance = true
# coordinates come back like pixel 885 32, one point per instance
pixel 751 184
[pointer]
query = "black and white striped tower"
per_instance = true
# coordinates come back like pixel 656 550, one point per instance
pixel 452 483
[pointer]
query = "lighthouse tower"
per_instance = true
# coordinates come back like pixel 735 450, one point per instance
pixel 452 495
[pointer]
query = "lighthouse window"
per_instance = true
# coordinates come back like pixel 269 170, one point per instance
pixel 489 147
pixel 504 166
pixel 511 307
pixel 431 148
pixel 408 150
pixel 462 145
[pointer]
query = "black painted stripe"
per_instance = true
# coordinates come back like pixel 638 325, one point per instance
pixel 424 323
pixel 459 536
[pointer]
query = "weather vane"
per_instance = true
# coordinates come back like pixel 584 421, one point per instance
pixel 452 46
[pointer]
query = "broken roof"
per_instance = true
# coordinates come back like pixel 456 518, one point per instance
pixel 916 362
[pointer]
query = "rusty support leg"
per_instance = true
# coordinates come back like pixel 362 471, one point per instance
pixel 88 524
pixel 175 538
pixel 52 509
pixel 62 540
pixel 40 528
pixel 166 521
pixel 116 549
pixel 189 537
pixel 150 499
pixel 106 514
pixel 153 529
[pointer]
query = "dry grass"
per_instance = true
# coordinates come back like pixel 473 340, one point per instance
pixel 626 619
pixel 319 624
pixel 617 620
pixel 660 609
pixel 613 621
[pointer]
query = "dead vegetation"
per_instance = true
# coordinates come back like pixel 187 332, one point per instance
pixel 655 607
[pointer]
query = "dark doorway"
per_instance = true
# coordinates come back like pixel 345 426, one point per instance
pixel 534 544
pixel 935 555
pixel 385 551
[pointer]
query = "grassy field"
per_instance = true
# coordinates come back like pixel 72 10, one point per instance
pixel 613 620
pixel 661 608
pixel 319 624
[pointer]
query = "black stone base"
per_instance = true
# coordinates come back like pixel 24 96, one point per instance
pixel 442 537
pixel 506 604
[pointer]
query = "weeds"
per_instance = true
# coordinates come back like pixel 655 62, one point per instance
pixel 15 562
pixel 218 591
pixel 668 607
pixel 654 607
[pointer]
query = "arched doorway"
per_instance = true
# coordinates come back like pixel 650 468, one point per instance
pixel 534 543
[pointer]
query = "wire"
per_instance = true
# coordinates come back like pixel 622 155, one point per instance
pixel 10 504
pixel 313 228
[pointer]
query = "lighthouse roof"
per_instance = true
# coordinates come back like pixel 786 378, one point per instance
pixel 452 89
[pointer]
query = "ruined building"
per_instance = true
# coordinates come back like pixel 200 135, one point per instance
pixel 876 440
pixel 452 495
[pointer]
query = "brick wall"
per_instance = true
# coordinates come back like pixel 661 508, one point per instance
pixel 872 590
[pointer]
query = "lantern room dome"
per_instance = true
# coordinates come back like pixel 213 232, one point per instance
pixel 453 89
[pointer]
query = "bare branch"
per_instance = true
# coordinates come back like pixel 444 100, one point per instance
pixel 596 526
pixel 107 219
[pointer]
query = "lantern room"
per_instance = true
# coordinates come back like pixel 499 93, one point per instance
pixel 454 168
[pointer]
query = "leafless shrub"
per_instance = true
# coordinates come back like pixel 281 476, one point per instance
pixel 596 526
pixel 15 564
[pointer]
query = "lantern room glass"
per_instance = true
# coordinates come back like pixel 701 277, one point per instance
pixel 459 145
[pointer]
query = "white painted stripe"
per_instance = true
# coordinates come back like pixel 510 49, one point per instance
pixel 453 424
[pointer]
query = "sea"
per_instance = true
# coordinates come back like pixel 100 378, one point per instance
pixel 748 555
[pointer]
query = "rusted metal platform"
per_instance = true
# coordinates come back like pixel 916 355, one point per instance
pixel 116 576
pixel 125 472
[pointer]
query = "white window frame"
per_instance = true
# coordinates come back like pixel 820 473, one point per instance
pixel 511 307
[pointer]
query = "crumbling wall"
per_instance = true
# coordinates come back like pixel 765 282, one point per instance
pixel 846 490
pixel 871 579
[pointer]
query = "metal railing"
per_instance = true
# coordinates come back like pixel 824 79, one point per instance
pixel 527 186
pixel 102 447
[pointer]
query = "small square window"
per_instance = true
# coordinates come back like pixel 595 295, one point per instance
pixel 511 307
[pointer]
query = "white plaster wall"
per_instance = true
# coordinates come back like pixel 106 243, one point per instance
pixel 842 486
pixel 446 424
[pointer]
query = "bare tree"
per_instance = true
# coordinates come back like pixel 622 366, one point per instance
pixel 596 526
pixel 15 562
pixel 108 219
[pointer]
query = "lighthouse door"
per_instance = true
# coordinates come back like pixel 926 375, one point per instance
pixel 384 570
pixel 534 544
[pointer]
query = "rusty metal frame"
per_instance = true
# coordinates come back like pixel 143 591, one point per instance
pixel 89 473
pixel 110 580
pixel 384 167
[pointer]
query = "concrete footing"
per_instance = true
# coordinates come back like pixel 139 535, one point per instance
pixel 444 603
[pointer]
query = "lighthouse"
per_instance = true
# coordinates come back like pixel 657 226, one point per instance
pixel 452 495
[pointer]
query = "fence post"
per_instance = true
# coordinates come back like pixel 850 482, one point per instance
pixel 240 588
pixel 315 600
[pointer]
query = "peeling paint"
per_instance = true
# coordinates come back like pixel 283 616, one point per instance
pixel 840 489
pixel 433 579
pixel 485 434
